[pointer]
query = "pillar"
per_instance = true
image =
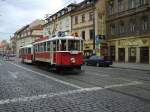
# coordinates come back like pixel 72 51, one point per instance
pixel 126 54
pixel 138 55
pixel 116 51
pixel 149 54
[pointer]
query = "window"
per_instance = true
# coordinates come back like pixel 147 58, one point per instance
pixel 48 46
pixel 91 16
pixel 44 46
pixel 83 35
pixel 142 2
pixel 63 45
pixel 29 50
pixel 120 6
pixel 91 34
pixel 132 26
pixel 121 27
pixel 54 45
pixel 73 45
pixel 145 23
pixel 111 7
pixel 83 18
pixel 132 4
pixel 76 19
pixel 112 29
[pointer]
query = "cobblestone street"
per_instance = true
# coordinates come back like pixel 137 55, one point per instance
pixel 29 88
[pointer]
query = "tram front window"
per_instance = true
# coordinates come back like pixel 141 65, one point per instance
pixel 73 45
pixel 63 45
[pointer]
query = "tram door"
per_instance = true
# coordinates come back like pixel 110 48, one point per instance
pixel 51 52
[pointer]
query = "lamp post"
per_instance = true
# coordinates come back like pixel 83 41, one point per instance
pixel 93 6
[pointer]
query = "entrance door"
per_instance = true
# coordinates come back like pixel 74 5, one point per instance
pixel 144 55
pixel 132 54
pixel 121 53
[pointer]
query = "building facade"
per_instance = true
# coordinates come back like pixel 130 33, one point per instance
pixel 60 21
pixel 128 30
pixel 88 20
pixel 28 34
pixel 82 19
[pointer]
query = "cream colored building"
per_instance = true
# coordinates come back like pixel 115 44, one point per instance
pixel 88 20
pixel 28 34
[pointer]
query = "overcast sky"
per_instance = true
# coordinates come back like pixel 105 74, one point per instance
pixel 17 13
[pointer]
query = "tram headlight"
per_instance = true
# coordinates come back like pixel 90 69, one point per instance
pixel 73 60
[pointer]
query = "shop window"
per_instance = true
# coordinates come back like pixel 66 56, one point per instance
pixel 132 54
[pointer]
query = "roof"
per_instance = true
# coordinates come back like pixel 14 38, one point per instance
pixel 61 38
pixel 27 46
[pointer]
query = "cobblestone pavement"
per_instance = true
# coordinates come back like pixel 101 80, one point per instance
pixel 28 88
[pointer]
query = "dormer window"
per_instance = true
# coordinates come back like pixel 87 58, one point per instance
pixel 63 12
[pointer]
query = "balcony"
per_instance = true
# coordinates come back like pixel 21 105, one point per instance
pixel 128 12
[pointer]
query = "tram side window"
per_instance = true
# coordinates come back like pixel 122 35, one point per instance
pixel 74 45
pixel 58 44
pixel 63 45
pixel 81 45
pixel 41 47
pixel 48 46
pixel 44 46
pixel 38 45
pixel 54 45
pixel 29 50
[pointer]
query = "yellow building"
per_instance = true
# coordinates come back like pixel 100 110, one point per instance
pixel 88 20
pixel 82 23
pixel 128 30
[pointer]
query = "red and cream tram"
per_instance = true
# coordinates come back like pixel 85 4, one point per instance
pixel 59 52
pixel 26 54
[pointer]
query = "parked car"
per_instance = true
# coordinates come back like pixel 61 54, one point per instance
pixel 98 61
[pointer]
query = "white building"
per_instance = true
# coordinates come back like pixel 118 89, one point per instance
pixel 28 34
pixel 60 21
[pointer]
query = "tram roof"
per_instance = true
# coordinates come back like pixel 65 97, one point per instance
pixel 27 46
pixel 60 38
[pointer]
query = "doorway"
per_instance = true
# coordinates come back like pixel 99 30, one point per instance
pixel 144 54
pixel 121 54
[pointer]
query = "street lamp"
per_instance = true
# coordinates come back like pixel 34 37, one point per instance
pixel 93 5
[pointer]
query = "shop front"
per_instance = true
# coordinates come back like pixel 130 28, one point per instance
pixel 88 49
pixel 134 50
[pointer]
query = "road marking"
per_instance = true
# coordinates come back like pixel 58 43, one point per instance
pixel 43 75
pixel 123 85
pixel 13 74
pixel 38 97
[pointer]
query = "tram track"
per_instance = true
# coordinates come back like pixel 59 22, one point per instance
pixel 116 90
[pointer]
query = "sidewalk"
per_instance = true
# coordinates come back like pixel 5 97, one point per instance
pixel 134 66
